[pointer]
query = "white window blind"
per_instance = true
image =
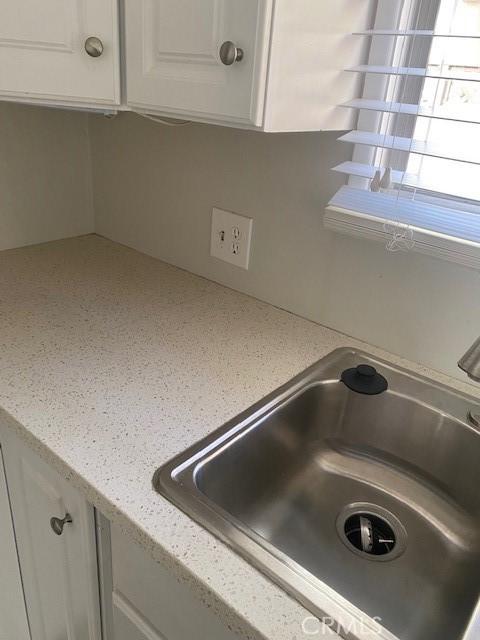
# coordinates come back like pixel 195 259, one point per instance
pixel 414 177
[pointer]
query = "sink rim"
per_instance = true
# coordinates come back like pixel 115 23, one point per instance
pixel 175 480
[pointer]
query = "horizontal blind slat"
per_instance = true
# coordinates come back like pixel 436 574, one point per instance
pixel 395 32
pixel 413 33
pixel 360 170
pixel 402 178
pixel 418 72
pixel 473 115
pixel 437 149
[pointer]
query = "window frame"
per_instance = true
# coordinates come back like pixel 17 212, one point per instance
pixel 362 225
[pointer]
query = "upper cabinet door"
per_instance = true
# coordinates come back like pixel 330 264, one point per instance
pixel 43 57
pixel 174 59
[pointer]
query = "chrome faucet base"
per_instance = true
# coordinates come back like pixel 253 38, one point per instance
pixel 470 362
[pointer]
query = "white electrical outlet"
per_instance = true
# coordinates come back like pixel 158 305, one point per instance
pixel 231 237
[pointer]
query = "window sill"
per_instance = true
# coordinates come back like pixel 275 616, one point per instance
pixel 432 243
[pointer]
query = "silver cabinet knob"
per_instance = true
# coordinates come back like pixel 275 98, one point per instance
pixel 57 524
pixel 229 53
pixel 94 47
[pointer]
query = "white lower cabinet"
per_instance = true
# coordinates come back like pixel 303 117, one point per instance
pixel 13 615
pixel 76 577
pixel 130 625
pixel 59 569
pixel 150 604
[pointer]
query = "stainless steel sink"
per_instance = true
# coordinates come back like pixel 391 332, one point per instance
pixel 365 508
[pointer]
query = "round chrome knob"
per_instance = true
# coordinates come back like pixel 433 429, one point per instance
pixel 229 53
pixel 58 524
pixel 94 47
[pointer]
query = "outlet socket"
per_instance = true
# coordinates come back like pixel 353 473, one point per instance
pixel 231 237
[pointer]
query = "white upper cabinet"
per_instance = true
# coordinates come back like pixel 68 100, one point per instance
pixel 43 57
pixel 312 46
pixel 270 65
pixel 274 65
pixel 174 58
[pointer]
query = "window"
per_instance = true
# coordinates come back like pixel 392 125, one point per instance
pixel 414 177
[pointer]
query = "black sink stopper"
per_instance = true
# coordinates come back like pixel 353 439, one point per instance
pixel 364 379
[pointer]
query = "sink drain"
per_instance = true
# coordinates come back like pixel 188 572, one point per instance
pixel 371 531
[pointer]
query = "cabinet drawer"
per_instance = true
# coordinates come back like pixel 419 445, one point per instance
pixel 166 607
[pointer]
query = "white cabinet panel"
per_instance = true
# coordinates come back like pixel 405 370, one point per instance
pixel 59 571
pixel 21 27
pixel 42 53
pixel 312 46
pixel 129 624
pixel 13 618
pixel 173 57
pixel 152 601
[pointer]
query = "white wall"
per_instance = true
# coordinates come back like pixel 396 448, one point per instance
pixel 154 188
pixel 45 175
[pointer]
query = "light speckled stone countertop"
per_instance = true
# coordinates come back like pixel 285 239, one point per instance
pixel 112 362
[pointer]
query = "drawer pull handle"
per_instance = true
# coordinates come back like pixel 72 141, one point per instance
pixel 94 47
pixel 58 524
pixel 230 53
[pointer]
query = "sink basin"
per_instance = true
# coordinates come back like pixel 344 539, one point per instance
pixel 366 508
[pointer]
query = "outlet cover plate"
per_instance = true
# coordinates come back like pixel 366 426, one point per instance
pixel 231 237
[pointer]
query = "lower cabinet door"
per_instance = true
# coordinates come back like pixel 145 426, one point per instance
pixel 57 557
pixel 13 617
pixel 129 624
pixel 149 603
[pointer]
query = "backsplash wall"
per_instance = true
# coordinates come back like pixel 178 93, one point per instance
pixel 45 176
pixel 154 188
